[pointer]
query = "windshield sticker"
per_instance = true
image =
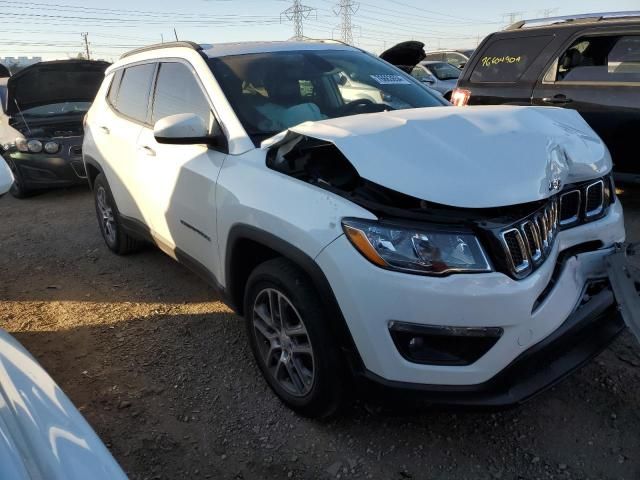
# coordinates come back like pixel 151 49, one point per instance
pixel 490 61
pixel 390 79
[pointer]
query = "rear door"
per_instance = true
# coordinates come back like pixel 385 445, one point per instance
pixel 179 181
pixel 598 74
pixel 117 129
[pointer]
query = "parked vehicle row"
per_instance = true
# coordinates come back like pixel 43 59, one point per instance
pixel 363 242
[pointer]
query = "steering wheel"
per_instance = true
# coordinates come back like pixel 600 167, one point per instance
pixel 353 106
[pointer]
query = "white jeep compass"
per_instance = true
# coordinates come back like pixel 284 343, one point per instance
pixel 379 240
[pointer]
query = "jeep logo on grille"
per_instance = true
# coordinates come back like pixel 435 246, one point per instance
pixel 555 184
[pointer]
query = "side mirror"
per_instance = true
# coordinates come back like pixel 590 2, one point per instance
pixel 187 129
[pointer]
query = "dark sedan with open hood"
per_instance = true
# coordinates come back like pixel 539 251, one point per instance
pixel 41 122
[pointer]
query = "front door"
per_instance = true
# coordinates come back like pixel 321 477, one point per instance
pixel 599 76
pixel 179 181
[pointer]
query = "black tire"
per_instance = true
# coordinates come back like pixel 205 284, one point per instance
pixel 327 389
pixel 114 236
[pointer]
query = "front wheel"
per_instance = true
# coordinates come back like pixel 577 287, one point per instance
pixel 290 341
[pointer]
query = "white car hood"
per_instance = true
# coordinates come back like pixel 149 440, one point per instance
pixel 42 435
pixel 473 157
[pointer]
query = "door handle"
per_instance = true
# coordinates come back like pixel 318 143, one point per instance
pixel 557 100
pixel 148 150
pixel 105 129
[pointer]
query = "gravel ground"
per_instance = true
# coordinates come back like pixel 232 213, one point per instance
pixel 161 370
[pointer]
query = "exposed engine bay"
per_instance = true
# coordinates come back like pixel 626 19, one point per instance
pixel 49 128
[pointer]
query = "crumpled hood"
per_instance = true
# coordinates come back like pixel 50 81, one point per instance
pixel 58 81
pixel 472 157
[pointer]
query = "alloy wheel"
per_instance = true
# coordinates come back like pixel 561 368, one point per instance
pixel 283 342
pixel 106 216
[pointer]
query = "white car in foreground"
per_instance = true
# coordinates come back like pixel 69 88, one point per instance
pixel 42 435
pixel 395 243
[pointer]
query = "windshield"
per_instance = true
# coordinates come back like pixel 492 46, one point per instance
pixel 273 91
pixel 444 71
pixel 51 110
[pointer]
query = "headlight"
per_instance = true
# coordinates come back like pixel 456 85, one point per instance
pixel 51 147
pixel 34 146
pixel 422 250
pixel 21 145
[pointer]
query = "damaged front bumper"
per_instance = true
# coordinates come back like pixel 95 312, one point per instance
pixel 547 324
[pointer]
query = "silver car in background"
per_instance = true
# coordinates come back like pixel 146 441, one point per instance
pixel 440 76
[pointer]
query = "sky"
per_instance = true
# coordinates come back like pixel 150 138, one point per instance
pixel 53 28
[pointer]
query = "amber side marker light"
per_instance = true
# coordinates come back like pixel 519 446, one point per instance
pixel 361 242
pixel 460 97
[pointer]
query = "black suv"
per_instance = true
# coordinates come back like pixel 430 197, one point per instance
pixel 590 63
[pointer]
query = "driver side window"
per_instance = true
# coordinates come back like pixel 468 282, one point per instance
pixel 178 91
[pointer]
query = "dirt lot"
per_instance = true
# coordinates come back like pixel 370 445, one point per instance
pixel 161 370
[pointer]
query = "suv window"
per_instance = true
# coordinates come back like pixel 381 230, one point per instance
pixel 114 88
pixel 454 58
pixel 133 95
pixel 601 59
pixel 419 73
pixel 507 59
pixel 178 91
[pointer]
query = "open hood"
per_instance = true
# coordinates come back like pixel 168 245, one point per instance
pixel 405 55
pixel 60 81
pixel 473 157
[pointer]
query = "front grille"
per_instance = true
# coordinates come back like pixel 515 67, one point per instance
pixel 587 201
pixel 570 207
pixel 595 199
pixel 528 243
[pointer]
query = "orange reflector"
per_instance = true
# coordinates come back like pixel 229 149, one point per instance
pixel 361 242
pixel 460 97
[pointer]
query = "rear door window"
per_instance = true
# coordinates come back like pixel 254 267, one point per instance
pixel 507 59
pixel 603 59
pixel 178 91
pixel 133 95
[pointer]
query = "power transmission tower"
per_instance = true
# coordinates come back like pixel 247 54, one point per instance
pixel 512 17
pixel 85 38
pixel 547 12
pixel 297 13
pixel 346 9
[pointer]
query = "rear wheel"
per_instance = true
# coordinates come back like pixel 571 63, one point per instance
pixel 289 338
pixel 114 236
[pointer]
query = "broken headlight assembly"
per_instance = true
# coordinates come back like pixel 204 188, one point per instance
pixel 421 250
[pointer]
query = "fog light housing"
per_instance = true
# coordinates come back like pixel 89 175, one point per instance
pixel 440 345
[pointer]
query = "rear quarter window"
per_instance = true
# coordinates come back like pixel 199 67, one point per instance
pixel 505 60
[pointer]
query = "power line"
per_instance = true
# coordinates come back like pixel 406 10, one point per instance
pixel 346 9
pixel 296 13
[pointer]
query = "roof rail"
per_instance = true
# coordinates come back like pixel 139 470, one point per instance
pixel 585 17
pixel 158 46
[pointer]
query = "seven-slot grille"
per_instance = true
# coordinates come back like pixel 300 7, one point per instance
pixel 529 243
